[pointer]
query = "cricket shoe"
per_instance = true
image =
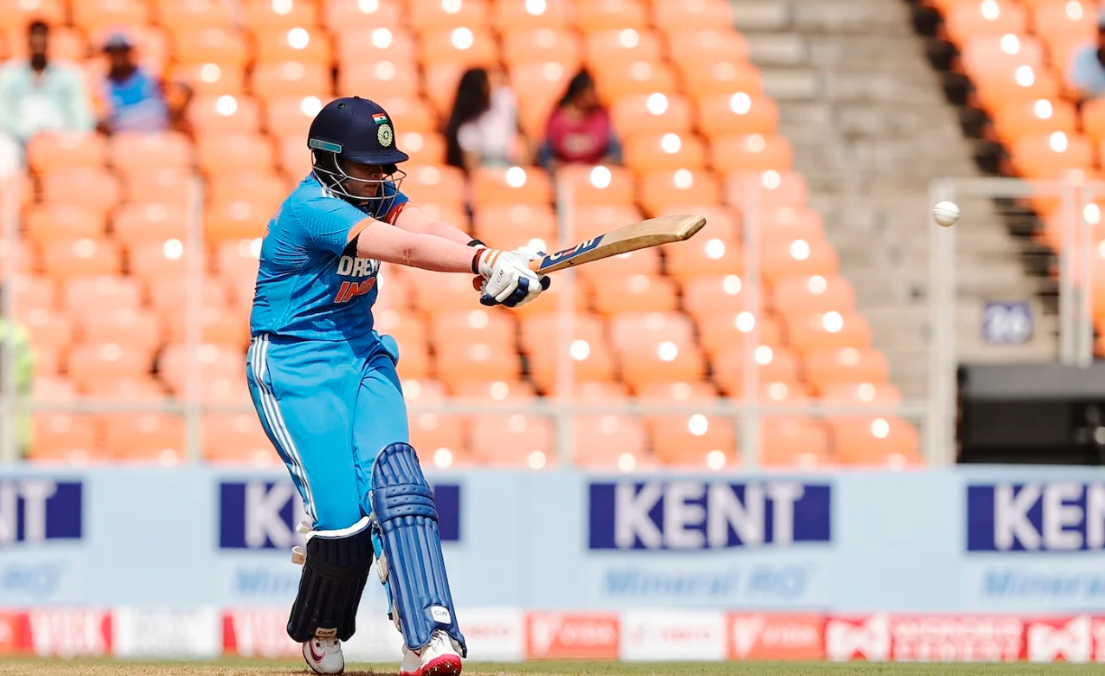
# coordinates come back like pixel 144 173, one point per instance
pixel 438 658
pixel 323 653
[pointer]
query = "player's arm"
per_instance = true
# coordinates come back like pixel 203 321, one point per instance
pixel 413 219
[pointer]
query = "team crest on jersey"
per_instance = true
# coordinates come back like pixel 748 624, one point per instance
pixel 384 135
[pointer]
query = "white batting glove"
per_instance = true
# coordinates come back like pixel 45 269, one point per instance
pixel 507 277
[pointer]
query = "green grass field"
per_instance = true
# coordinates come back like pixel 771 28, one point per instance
pixel 249 668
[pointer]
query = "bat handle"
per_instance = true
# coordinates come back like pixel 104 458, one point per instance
pixel 535 265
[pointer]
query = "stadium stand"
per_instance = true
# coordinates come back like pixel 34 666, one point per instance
pixel 106 228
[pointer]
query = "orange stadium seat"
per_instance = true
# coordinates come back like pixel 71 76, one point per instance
pixel 308 44
pixel 438 184
pixel 845 365
pixel 694 440
pixel 130 153
pixel 625 78
pixel 385 78
pixel 513 17
pixel 513 225
pixel 370 43
pixel 359 14
pixel 87 362
pixel 435 293
pixel 516 185
pixel 239 219
pixel 440 81
pixel 591 358
pixel 974 18
pixel 1064 25
pixel 18 14
pixel 704 256
pixel 828 330
pixel 226 153
pixel 168 293
pixel 226 326
pixel 875 441
pixel 64 438
pixel 47 327
pixel 815 293
pixel 457 362
pixel 266 14
pixel 47 152
pixel 641 262
pixel 515 440
pixel 87 187
pixel 147 437
pixel 611 441
pixel 598 184
pixel 720 77
pixel 423 147
pixel 99 14
pixel 710 44
pixel 790 223
pixel 775 364
pixel 771 189
pixel 216 42
pixel 750 152
pixel 786 257
pixel 1093 119
pixel 101 291
pixel 861 393
pixel 86 256
pixel 495 391
pixel 621 44
pixel 983 53
pixel 164 186
pixel 707 294
pixel 542 45
pixel 538 85
pixel 435 14
pixel 24 257
pixel 237 438
pixel 720 332
pixel 739 113
pixel 656 353
pixel 290 78
pixel 611 14
pixel 129 389
pixel 463 327
pixel 461 47
pixel 48 222
pixel 137 221
pixel 794 442
pixel 678 15
pixel 408 328
pixel 1042 116
pixel 1004 84
pixel 635 293
pixel 413 114
pixel 443 437
pixel 258 185
pixel 1051 155
pixel 658 189
pixel 590 220
pixel 32 292
pixel 224 114
pixel 214 361
pixel 667 151
pixel 142 328
pixel 654 113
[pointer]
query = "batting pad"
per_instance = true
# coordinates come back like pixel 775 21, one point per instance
pixel 333 579
pixel 411 562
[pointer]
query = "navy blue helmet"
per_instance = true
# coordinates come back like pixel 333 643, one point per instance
pixel 352 129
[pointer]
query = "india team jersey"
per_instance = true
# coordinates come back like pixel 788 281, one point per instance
pixel 311 284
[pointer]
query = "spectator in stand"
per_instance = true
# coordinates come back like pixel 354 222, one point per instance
pixel 579 129
pixel 483 127
pixel 134 100
pixel 1086 74
pixel 38 95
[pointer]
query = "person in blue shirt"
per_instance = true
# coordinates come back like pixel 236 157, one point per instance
pixel 324 384
pixel 134 99
pixel 1086 73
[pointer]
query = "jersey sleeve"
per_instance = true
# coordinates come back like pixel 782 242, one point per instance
pixel 397 205
pixel 327 224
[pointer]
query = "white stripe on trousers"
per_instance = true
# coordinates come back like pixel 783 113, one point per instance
pixel 275 420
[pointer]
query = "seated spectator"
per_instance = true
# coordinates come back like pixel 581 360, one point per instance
pixel 38 95
pixel 1086 73
pixel 579 129
pixel 483 128
pixel 134 100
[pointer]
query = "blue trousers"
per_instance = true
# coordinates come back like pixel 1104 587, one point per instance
pixel 329 408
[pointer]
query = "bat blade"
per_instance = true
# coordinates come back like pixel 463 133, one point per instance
pixel 640 235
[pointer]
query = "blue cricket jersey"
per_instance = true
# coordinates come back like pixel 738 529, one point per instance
pixel 311 284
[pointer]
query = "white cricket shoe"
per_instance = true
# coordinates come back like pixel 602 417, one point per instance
pixel 439 658
pixel 323 653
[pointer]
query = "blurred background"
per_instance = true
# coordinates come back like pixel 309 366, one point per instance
pixel 824 427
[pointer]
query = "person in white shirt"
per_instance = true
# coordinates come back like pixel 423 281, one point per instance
pixel 39 95
pixel 483 127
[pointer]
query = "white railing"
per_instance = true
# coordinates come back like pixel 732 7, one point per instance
pixel 935 412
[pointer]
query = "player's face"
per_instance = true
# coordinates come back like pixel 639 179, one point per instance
pixel 369 178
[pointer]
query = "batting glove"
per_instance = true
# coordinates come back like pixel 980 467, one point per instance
pixel 507 278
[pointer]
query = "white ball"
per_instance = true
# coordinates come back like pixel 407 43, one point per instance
pixel 946 213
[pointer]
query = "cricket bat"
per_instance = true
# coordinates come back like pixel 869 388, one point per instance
pixel 640 235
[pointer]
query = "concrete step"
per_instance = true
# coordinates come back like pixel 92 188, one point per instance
pixel 792 84
pixel 761 15
pixel 777 49
pixel 864 17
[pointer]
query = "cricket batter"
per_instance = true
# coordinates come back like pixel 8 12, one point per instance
pixel 325 387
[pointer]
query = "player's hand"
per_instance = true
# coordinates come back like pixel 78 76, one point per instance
pixel 507 278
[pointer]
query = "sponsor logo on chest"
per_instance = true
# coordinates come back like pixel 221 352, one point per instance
pixel 348 266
